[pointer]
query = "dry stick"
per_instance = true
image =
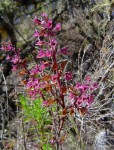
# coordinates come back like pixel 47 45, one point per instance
pixel 24 138
pixel 80 54
pixel 82 61
pixel 2 123
pixel 7 103
pixel 2 119
pixel 6 93
pixel 106 72
pixel 103 116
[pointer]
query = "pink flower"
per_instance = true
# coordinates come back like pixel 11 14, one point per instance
pixel 57 27
pixel 35 70
pixel 90 99
pixel 45 103
pixel 95 85
pixel 82 87
pixel 63 50
pixel 48 53
pixel 52 141
pixel 43 23
pixel 84 100
pixel 41 54
pixel 15 68
pixel 34 87
pixel 15 59
pixel 40 43
pixel 7 47
pixel 8 57
pixel 44 15
pixel 32 94
pixel 29 83
pixel 42 66
pixel 36 21
pixel 53 43
pixel 68 76
pixel 72 97
pixel 49 24
pixel 85 96
pixel 36 34
pixel 54 78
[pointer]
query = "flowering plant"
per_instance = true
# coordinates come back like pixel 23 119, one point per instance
pixel 49 79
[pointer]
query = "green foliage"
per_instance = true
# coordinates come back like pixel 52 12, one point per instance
pixel 46 147
pixel 34 111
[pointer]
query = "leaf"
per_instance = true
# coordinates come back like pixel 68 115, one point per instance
pixel 23 61
pixel 63 89
pixel 64 112
pixel 23 82
pixel 72 111
pixel 42 32
pixel 82 110
pixel 63 64
pixel 48 102
pixel 46 78
pixel 23 72
pixel 55 65
pixel 48 88
pixel 74 91
pixel 47 63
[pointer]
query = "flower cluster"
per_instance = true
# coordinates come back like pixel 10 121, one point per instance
pixel 13 56
pixel 47 78
pixel 80 95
